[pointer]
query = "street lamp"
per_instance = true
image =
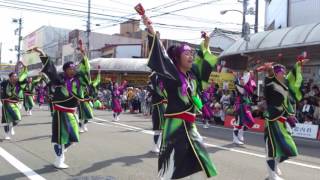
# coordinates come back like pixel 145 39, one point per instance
pixel 243 18
pixel 225 11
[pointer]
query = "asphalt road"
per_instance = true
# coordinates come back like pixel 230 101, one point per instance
pixel 121 150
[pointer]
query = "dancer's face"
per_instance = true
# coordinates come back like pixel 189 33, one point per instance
pixel 186 60
pixel 13 78
pixel 70 72
pixel 281 76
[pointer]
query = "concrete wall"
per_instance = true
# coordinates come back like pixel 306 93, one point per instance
pixel 276 14
pixel 304 12
pixel 283 13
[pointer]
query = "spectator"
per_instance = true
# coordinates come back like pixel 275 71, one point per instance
pixel 143 101
pixel 130 96
pixel 218 114
pixel 316 113
pixel 225 100
pixel 135 101
pixel 307 110
pixel 124 101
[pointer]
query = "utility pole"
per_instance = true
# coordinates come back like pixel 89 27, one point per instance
pixel 245 4
pixel 18 48
pixel 0 52
pixel 88 28
pixel 256 23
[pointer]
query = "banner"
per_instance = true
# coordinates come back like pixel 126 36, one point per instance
pixel 223 79
pixel 257 127
pixel 305 130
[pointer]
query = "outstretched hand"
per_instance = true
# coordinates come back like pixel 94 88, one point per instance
pixel 80 47
pixel 147 22
pixel 38 50
pixel 303 61
pixel 265 66
pixel 22 64
pixel 206 38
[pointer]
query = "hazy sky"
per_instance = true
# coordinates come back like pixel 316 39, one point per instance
pixel 205 17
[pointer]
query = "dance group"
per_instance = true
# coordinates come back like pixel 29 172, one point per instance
pixel 179 90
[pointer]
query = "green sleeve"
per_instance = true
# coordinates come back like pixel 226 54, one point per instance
pixel 36 81
pixel 97 81
pixel 23 74
pixel 84 71
pixel 295 79
pixel 208 56
pixel 77 90
pixel 203 65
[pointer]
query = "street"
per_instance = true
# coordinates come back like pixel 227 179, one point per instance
pixel 121 151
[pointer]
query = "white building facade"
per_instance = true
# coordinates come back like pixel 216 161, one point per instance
pixel 286 13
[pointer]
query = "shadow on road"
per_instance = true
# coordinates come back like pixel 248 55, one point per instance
pixel 34 124
pixel 35 138
pixel 44 170
pixel 126 160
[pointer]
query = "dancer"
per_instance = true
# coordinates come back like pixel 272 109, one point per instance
pixel 116 91
pixel 206 97
pixel 182 151
pixel 85 107
pixel 40 93
pixel 245 86
pixel 159 101
pixel 11 92
pixel 66 97
pixel 281 92
pixel 29 93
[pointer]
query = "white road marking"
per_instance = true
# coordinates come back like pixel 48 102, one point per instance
pixel 256 133
pixel 20 166
pixel 133 128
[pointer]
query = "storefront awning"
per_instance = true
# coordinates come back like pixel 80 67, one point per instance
pixel 292 37
pixel 136 65
pixel 129 65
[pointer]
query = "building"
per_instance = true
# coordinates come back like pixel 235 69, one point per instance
pixel 293 27
pixel 122 51
pixel 134 70
pixel 48 38
pixel 222 41
pixel 98 43
pixel 286 13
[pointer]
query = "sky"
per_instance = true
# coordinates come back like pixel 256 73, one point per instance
pixel 107 12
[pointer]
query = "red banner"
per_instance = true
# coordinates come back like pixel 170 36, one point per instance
pixel 257 127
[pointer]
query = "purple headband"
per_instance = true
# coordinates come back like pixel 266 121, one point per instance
pixel 72 66
pixel 183 48
pixel 279 69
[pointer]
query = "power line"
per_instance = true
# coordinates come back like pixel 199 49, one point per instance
pixel 172 12
pixel 171 3
pixel 185 8
pixel 53 10
pixel 79 4
pixel 66 9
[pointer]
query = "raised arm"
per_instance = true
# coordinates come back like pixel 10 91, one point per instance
pixel 84 67
pixel 204 62
pixel 49 68
pixel 97 81
pixel 158 58
pixel 23 74
pixel 295 81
